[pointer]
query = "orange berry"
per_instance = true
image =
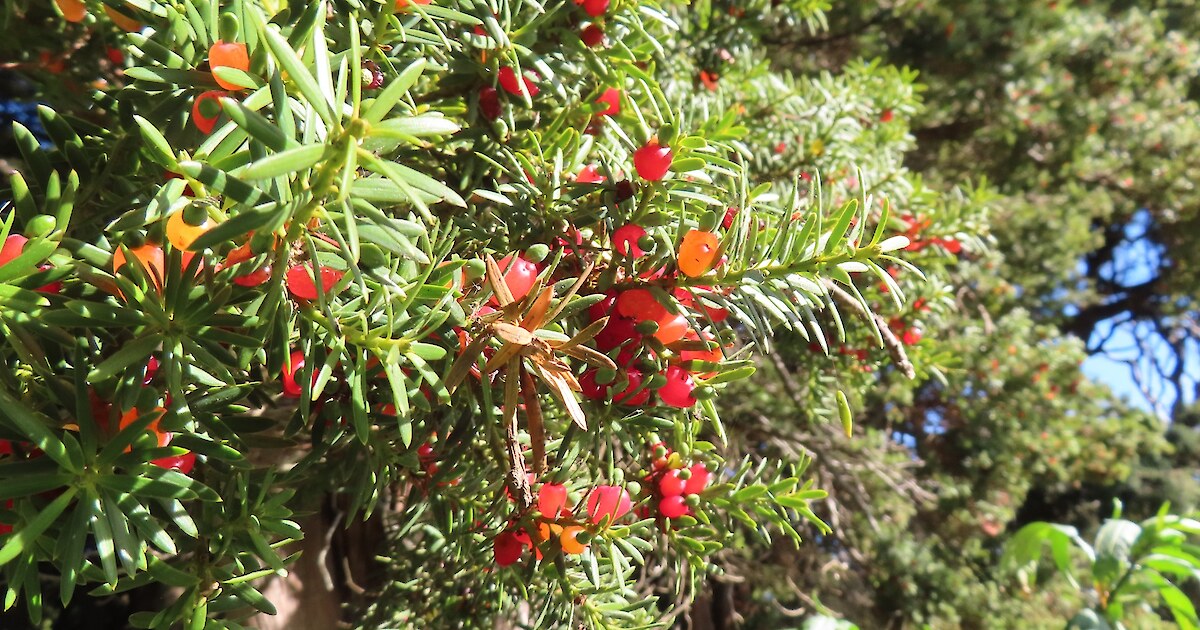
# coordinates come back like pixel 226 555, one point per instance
pixel 182 234
pixel 546 530
pixel 72 10
pixel 671 328
pixel 698 252
pixel 151 258
pixel 402 5
pixel 228 55
pixel 163 437
pixel 123 21
pixel 569 539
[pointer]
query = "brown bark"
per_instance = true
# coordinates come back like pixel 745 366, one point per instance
pixel 336 565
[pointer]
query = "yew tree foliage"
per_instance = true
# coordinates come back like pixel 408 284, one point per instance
pixel 384 259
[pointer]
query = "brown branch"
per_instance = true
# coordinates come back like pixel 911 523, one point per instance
pixel 891 343
pixel 518 483
pixel 1137 300
pixel 533 415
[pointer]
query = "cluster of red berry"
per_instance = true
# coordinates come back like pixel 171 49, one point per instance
pixel 605 505
pixel 675 486
pixel 647 325
pixel 913 231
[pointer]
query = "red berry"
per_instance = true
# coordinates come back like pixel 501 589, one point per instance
pixel 631 395
pixel 603 307
pixel 640 305
pixel 633 352
pixel 520 278
pixel 182 463
pixel 151 370
pixel 489 102
pixel 677 392
pixel 13 245
pixel 595 8
pixel 699 479
pixel 625 240
pixel 670 485
pixel 673 507
pixel 652 161
pixel 53 287
pixel 590 174
pixel 206 109
pixel 618 331
pixel 712 355
pixel 507 548
pixel 551 499
pixel 590 388
pixel 295 364
pixel 424 451
pixel 608 502
pixel 716 313
pixel 302 286
pixel 592 36
pixel 254 278
pixel 508 81
pixel 886 116
pixel 730 215
pixel 671 328
pixel 612 98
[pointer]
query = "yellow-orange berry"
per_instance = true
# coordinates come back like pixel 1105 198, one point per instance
pixel 228 55
pixel 72 10
pixel 698 252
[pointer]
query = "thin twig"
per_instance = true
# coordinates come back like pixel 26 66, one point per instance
pixel 890 342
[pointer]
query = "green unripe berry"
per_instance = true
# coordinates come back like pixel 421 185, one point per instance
pixel 692 500
pixel 605 376
pixel 210 108
pixel 647 243
pixel 229 27
pixel 666 134
pixel 41 225
pixel 195 215
pixel 134 239
pixel 475 269
pixel 647 327
pixel 709 221
pixel 537 253
pixel 358 127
